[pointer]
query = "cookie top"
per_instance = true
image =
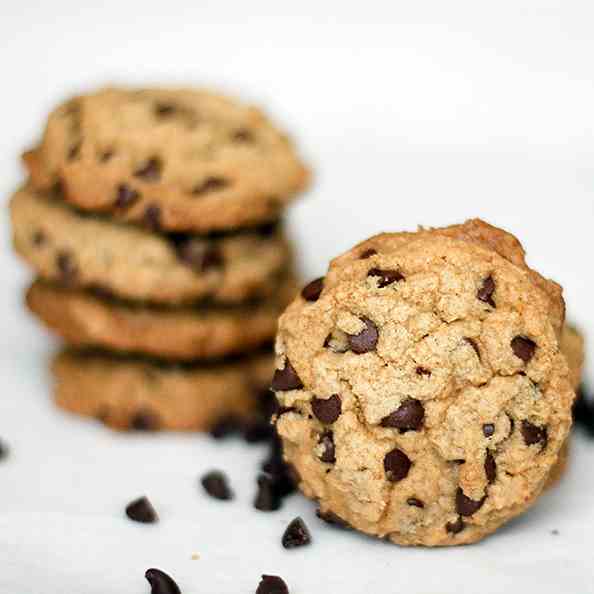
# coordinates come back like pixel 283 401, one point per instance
pixel 424 395
pixel 137 393
pixel 83 250
pixel 85 319
pixel 190 160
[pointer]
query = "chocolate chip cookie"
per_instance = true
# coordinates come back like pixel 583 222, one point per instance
pixel 183 160
pixel 82 250
pixel 142 394
pixel 86 319
pixel 424 397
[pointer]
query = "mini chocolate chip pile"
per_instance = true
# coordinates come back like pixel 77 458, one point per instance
pixel 153 221
pixel 426 385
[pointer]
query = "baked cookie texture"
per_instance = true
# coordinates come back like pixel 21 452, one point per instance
pixel 65 245
pixel 190 159
pixel 85 319
pixel 143 394
pixel 423 394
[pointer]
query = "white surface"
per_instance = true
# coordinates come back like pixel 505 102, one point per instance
pixel 419 113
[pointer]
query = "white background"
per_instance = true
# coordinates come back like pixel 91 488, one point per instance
pixel 410 113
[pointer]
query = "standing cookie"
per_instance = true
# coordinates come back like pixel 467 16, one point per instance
pixel 425 396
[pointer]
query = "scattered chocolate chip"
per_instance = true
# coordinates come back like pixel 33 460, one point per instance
pixel 488 429
pixel 422 371
pixel 141 510
pixel 216 485
pixel 210 184
pixel 74 151
pixel 286 379
pixel 455 527
pixel 366 340
pixel 160 582
pixel 327 410
pixel 311 291
pixel 66 266
pixel 523 348
pixel 150 171
pixel 396 464
pixel 328 454
pixel 267 498
pixel 583 412
pixel 152 217
pixel 225 427
pixel 257 431
pixel 243 135
pixel 125 196
pixel 385 277
pixel 145 421
pixel 490 467
pixel 331 518
pixel 4 450
pixel 414 502
pixel 486 290
pixel 272 584
pixel 164 110
pixel 466 506
pixel 474 346
pixel 39 238
pixel 367 254
pixel 199 255
pixel 296 534
pixel 407 417
pixel 533 434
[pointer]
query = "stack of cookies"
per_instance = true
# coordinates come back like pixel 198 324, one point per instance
pixel 152 221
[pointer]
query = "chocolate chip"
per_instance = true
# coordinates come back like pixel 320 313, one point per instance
pixel 152 217
pixel 490 467
pixel 328 454
pixel 459 461
pixel 296 534
pixel 455 527
pixel 311 291
pixel 66 266
pixel 367 254
pixel 216 485
pixel 268 497
pixel 243 135
pixel 407 417
pixel 422 371
pixel 331 518
pixel 523 348
pixel 150 171
pixel 198 255
pixel 141 510
pixel 583 412
pixel 414 502
pixel 160 582
pixel 164 110
pixel 327 410
pixel 486 290
pixel 474 346
pixel 125 196
pixel 257 431
pixel 225 427
pixel 533 434
pixel 39 238
pixel 366 340
pixel 466 506
pixel 396 464
pixel 385 277
pixel 210 184
pixel 488 429
pixel 283 476
pixel 145 421
pixel 4 450
pixel 286 379
pixel 272 584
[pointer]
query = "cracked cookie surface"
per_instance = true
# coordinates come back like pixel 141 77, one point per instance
pixel 423 394
pixel 188 160
pixel 142 394
pixel 83 250
pixel 85 319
